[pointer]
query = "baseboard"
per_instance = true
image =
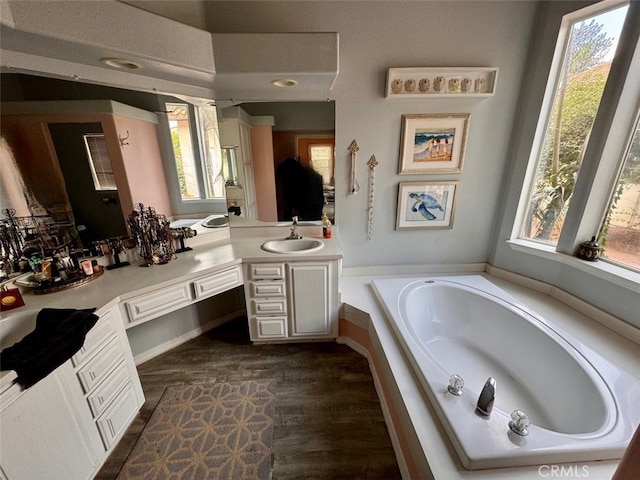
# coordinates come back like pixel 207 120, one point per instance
pixel 174 342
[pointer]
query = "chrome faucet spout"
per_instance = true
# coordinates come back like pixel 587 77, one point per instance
pixel 487 397
pixel 294 230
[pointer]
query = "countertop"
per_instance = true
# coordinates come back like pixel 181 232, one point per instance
pixel 205 258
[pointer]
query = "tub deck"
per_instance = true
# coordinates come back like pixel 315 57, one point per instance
pixel 428 451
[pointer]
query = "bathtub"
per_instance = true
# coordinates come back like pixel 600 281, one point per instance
pixel 581 407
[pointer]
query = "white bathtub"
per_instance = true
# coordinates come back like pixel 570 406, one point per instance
pixel 581 407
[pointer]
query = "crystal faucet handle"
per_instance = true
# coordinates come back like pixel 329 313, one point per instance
pixel 519 422
pixel 455 384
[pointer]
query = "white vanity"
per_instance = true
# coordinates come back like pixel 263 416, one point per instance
pixel 65 426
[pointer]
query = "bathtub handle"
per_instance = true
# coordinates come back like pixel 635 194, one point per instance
pixel 487 397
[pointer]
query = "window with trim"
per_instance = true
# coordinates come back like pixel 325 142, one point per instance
pixel 584 56
pixel 196 149
pixel 99 162
pixel 321 158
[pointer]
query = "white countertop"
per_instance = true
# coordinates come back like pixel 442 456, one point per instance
pixel 205 258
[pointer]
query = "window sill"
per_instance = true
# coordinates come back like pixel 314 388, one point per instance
pixel 602 270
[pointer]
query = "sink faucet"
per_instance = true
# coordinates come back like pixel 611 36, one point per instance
pixel 294 230
pixel 487 397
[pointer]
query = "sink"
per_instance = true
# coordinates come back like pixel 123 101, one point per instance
pixel 300 245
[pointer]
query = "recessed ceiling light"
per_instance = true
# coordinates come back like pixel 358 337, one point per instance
pixel 284 82
pixel 121 63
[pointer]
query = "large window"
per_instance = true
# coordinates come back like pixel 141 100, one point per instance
pixel 181 134
pixel 620 233
pixel 196 148
pixel 576 132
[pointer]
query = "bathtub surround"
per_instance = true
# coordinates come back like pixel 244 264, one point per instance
pixel 426 451
pixel 581 406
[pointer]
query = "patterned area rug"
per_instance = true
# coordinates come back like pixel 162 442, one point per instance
pixel 219 431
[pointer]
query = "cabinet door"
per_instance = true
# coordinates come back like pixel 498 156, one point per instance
pixel 41 435
pixel 311 299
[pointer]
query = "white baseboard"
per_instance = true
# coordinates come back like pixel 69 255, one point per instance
pixel 174 342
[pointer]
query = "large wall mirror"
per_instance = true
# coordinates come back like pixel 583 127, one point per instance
pixel 263 137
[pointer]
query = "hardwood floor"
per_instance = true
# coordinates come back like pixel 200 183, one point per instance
pixel 328 421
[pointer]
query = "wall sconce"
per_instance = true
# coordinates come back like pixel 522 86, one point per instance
pixel 123 140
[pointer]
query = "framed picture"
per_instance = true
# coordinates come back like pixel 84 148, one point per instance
pixel 433 143
pixel 426 204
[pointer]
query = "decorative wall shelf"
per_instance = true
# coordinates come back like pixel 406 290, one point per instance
pixel 441 82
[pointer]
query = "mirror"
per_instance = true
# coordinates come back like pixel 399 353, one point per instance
pixel 293 171
pixel 68 191
pixel 294 123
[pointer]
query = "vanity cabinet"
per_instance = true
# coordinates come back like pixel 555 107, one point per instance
pixel 150 305
pixel 289 301
pixel 66 425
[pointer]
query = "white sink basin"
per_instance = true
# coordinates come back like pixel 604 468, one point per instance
pixel 301 245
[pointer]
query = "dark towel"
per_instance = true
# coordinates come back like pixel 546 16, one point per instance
pixel 58 335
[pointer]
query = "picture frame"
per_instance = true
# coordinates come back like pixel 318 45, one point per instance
pixel 426 204
pixel 433 143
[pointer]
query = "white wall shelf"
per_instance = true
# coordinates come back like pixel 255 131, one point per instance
pixel 441 82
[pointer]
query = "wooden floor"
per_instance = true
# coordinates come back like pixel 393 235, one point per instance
pixel 328 420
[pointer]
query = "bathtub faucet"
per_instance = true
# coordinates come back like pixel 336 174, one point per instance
pixel 487 397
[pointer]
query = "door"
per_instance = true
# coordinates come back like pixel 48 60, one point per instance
pixel 97 212
pixel 309 299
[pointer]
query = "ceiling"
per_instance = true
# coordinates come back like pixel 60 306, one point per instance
pixel 76 40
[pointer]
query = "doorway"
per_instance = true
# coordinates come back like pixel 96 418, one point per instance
pixel 95 205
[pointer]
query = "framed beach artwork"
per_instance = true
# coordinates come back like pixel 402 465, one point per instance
pixel 433 143
pixel 426 204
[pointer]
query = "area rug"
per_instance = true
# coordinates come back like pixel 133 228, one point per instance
pixel 219 431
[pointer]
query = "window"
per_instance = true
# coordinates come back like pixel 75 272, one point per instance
pixel 620 233
pixel 229 171
pixel 583 178
pixel 180 126
pixel 99 162
pixel 211 158
pixel 196 148
pixel 588 51
pixel 321 157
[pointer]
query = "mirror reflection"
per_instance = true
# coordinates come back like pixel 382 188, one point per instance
pixel 284 156
pixel 100 166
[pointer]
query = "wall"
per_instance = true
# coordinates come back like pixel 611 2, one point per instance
pixel 375 36
pixel 264 173
pixel 143 164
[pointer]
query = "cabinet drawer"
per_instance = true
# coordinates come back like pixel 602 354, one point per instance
pixel 102 396
pixel 266 271
pixel 96 338
pixel 160 302
pixel 116 418
pixel 267 289
pixel 92 373
pixel 270 327
pixel 217 282
pixel 269 307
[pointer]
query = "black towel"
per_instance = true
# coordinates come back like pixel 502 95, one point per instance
pixel 59 334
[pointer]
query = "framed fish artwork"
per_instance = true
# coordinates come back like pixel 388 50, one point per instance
pixel 433 143
pixel 426 204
